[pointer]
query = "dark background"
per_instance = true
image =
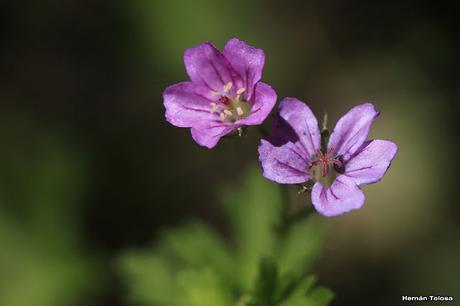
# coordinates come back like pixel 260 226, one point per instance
pixel 80 94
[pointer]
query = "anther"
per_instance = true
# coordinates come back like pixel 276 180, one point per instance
pixel 240 91
pixel 228 113
pixel 239 111
pixel 228 86
pixel 213 107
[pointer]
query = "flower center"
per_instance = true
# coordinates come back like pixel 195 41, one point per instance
pixel 325 168
pixel 230 107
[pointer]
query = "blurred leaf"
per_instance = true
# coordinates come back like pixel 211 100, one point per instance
pixel 192 266
pixel 253 210
pixel 320 296
pixel 188 263
pixel 150 279
pixel 42 262
pixel 266 290
pixel 168 40
pixel 304 295
pixel 203 287
pixel 154 280
pixel 272 289
pixel 195 244
pixel 301 245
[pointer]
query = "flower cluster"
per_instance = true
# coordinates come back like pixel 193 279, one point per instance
pixel 225 94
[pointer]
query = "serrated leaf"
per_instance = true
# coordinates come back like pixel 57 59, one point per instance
pixel 320 296
pixel 253 208
pixel 193 267
pixel 149 279
pixel 304 294
pixel 301 245
pixel 42 262
pixel 203 287
pixel 266 289
pixel 294 288
pixel 195 244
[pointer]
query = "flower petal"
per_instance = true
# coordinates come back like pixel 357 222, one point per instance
pixel 247 61
pixel 283 164
pixel 371 162
pixel 187 104
pixel 209 134
pixel 341 197
pixel 302 121
pixel 264 101
pixel 207 66
pixel 351 130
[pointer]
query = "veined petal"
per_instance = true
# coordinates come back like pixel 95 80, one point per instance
pixel 264 101
pixel 341 197
pixel 283 164
pixel 351 130
pixel 371 162
pixel 209 134
pixel 187 104
pixel 303 123
pixel 247 61
pixel 207 66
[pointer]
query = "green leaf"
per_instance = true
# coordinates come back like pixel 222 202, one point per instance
pixel 42 262
pixel 188 264
pixel 320 296
pixel 267 283
pixel 149 278
pixel 253 208
pixel 295 289
pixel 195 244
pixel 304 295
pixel 203 287
pixel 195 17
pixel 301 245
pixel 192 266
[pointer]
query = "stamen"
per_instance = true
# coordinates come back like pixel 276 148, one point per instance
pixel 239 111
pixel 240 91
pixel 213 107
pixel 215 93
pixel 222 116
pixel 228 86
pixel 228 113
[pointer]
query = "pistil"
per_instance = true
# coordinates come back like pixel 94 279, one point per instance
pixel 324 169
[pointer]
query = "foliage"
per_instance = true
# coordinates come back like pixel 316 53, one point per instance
pixel 193 265
pixel 41 262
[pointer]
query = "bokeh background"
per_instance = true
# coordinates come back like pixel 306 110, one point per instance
pixel 89 167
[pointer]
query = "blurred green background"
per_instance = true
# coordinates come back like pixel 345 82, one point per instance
pixel 89 167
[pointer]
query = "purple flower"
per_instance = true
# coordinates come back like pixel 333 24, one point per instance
pixel 224 94
pixel 294 155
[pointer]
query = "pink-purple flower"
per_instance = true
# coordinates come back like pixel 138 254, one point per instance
pixel 224 92
pixel 294 155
